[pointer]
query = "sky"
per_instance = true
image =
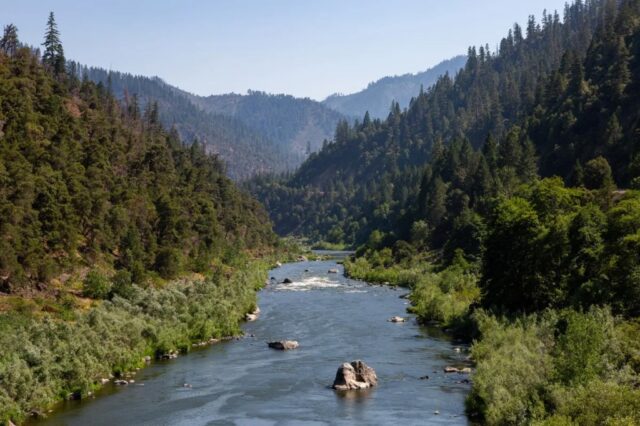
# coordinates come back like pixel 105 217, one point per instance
pixel 307 48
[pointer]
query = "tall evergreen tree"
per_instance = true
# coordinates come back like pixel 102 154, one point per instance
pixel 53 56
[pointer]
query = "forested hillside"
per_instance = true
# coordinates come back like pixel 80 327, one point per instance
pixel 253 134
pixel 245 151
pixel 87 181
pixel 297 126
pixel 378 96
pixel 370 174
pixel 528 244
pixel 100 208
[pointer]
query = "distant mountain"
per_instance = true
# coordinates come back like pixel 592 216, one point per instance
pixel 253 134
pixel 297 126
pixel 379 95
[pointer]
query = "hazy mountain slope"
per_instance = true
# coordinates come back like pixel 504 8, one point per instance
pixel 245 151
pixel 379 95
pixel 298 126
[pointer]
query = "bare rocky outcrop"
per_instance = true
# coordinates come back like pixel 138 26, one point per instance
pixel 283 345
pixel 355 375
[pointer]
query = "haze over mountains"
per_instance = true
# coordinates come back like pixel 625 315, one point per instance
pixel 378 96
pixel 260 133
pixel 257 134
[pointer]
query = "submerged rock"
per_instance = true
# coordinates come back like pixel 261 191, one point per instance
pixel 283 345
pixel 355 375
pixel 287 281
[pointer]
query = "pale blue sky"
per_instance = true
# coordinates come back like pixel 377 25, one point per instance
pixel 302 47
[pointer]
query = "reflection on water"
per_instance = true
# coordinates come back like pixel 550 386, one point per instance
pixel 244 382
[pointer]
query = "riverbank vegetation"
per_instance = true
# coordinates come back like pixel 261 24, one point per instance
pixel 63 348
pixel 117 240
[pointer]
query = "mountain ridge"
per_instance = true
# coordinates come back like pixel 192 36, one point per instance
pixel 377 97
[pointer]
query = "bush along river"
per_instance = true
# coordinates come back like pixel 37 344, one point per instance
pixel 244 382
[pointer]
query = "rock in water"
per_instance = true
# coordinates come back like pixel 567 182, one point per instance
pixel 283 345
pixel 355 375
pixel 287 281
pixel 397 319
pixel 333 271
pixel 252 316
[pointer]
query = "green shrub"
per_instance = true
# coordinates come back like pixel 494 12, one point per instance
pixel 601 403
pixel 96 285
pixel 513 367
pixel 122 284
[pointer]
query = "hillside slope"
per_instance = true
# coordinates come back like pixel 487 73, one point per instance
pixel 245 151
pixel 379 95
pixel 86 181
pixel 253 134
pixel 363 180
pixel 298 126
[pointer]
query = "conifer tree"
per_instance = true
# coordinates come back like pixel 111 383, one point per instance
pixel 53 56
pixel 9 43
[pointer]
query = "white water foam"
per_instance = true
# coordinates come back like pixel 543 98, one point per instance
pixel 306 284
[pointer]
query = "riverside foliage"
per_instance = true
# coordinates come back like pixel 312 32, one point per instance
pixel 65 352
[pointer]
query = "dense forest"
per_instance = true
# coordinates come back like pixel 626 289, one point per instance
pixel 507 199
pixel 101 208
pixel 298 126
pixel 370 174
pixel 253 134
pixel 379 95
pixel 244 151
pixel 86 181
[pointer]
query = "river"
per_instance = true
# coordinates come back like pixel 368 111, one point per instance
pixel 243 382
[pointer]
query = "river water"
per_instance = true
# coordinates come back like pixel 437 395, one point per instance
pixel 243 382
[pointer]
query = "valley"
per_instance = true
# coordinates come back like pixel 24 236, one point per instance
pixel 160 250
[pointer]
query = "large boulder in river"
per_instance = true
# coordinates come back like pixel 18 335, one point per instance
pixel 283 345
pixel 355 375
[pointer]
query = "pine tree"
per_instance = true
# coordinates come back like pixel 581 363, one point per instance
pixel 53 56
pixel 9 43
